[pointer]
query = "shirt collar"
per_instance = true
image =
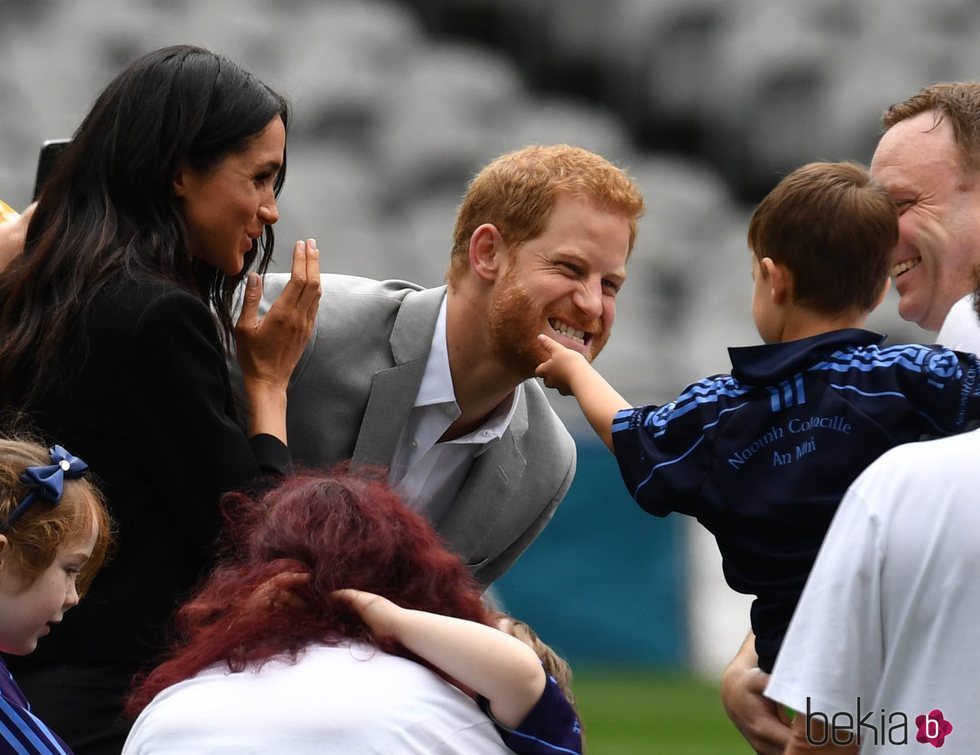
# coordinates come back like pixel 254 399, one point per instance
pixel 437 381
pixel 772 362
pixel 437 387
pixel 497 423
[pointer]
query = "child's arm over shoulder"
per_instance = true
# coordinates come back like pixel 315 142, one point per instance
pixel 569 372
pixel 486 660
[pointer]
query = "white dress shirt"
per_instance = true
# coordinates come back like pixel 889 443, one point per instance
pixel 425 472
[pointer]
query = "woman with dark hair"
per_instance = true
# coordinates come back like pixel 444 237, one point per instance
pixel 271 659
pixel 114 323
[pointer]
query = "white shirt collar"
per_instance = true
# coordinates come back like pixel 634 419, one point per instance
pixel 437 388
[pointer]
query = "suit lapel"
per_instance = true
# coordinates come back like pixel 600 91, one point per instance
pixel 487 493
pixel 393 391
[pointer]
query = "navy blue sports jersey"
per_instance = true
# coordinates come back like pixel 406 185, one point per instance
pixel 550 728
pixel 763 456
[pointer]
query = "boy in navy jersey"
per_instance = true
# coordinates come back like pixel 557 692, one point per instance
pixel 763 456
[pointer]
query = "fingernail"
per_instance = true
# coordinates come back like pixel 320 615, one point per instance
pixel 301 246
pixel 313 246
pixel 252 280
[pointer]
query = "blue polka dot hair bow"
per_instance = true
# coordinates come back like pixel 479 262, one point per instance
pixel 47 482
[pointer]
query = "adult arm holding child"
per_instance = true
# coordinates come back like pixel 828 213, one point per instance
pixel 570 373
pixel 755 715
pixel 800 742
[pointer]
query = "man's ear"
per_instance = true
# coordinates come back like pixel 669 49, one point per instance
pixel 780 281
pixel 487 252
pixel 3 547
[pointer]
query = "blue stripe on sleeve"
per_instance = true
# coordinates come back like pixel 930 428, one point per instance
pixel 676 459
pixel 29 728
pixel 876 394
pixel 551 747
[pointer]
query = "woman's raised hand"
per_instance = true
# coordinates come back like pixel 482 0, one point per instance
pixel 269 347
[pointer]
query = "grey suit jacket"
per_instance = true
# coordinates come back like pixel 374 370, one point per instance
pixel 356 383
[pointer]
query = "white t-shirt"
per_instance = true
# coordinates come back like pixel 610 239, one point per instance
pixel 891 609
pixel 346 700
pixel 961 328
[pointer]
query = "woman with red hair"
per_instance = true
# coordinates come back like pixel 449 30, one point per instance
pixel 271 660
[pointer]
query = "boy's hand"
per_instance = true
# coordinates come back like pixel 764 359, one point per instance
pixel 561 366
pixel 377 612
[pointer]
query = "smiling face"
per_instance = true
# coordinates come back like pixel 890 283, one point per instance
pixel 27 611
pixel 939 217
pixel 228 206
pixel 563 284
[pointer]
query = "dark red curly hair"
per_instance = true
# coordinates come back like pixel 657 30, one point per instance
pixel 340 529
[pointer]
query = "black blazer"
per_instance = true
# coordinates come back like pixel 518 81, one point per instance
pixel 149 407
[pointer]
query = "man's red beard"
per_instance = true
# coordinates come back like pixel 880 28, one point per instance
pixel 515 322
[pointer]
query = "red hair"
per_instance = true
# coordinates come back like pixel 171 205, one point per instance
pixel 343 531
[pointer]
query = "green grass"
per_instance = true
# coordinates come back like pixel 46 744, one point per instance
pixel 653 714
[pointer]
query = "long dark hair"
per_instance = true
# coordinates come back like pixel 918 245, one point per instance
pixel 341 530
pixel 108 206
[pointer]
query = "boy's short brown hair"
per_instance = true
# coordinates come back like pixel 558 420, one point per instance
pixel 833 227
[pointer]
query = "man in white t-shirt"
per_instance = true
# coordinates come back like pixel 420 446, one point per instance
pixel 961 328
pixel 929 160
pixel 882 644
